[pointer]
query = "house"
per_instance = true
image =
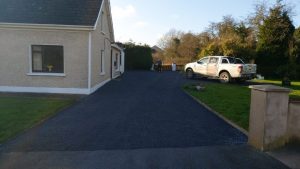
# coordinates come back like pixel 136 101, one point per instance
pixel 156 49
pixel 57 46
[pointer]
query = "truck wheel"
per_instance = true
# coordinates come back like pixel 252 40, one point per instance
pixel 225 77
pixel 189 73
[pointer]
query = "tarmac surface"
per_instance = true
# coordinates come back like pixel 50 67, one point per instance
pixel 141 120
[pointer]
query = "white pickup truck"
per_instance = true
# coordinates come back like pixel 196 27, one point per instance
pixel 222 67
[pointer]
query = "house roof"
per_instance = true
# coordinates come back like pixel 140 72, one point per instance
pixel 117 46
pixel 156 49
pixel 52 12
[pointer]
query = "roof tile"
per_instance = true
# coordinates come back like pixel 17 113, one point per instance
pixel 58 12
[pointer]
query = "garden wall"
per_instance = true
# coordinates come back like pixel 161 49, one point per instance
pixel 294 121
pixel 274 119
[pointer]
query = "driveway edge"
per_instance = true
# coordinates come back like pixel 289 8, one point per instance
pixel 219 115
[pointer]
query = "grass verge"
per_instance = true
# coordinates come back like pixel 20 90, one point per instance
pixel 231 101
pixel 294 95
pixel 20 113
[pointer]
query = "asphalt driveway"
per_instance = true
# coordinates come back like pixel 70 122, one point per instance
pixel 140 117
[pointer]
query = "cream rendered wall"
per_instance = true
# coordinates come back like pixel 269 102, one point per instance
pixel 15 62
pixel 101 41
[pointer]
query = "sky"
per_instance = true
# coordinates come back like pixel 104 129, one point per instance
pixel 144 21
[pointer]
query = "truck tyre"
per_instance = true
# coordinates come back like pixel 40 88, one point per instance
pixel 225 77
pixel 189 73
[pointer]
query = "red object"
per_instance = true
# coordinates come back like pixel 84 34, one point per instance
pixel 240 69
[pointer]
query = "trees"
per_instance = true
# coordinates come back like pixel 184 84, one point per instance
pixel 179 47
pixel 230 38
pixel 275 39
pixel 256 19
pixel 296 46
pixel 189 46
pixel 170 43
pixel 211 48
pixel 274 36
pixel 268 37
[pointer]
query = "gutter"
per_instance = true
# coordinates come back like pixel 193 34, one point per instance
pixel 116 47
pixel 46 26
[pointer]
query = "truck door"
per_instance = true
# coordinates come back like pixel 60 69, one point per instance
pixel 212 66
pixel 201 67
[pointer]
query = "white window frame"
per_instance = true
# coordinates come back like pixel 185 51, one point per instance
pixel 31 73
pixel 102 62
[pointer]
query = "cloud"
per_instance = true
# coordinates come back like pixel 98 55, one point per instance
pixel 141 24
pixel 123 12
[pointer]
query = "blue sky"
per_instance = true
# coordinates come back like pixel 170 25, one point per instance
pixel 145 21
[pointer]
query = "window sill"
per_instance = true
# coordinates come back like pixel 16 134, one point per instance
pixel 47 74
pixel 103 33
pixel 102 74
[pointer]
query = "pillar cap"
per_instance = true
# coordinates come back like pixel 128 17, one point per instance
pixel 270 88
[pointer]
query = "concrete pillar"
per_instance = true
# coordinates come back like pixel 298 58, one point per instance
pixel 294 121
pixel 268 116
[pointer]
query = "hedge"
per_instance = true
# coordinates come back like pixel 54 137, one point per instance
pixel 138 57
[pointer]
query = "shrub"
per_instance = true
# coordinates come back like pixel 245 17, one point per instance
pixel 291 71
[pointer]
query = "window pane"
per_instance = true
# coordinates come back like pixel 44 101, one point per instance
pixel 204 60
pixel 53 59
pixel 102 62
pixel 224 61
pixel 231 60
pixel 239 61
pixel 213 60
pixel 102 21
pixel 37 62
pixel 48 60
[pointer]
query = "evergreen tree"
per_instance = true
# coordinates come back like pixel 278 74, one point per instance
pixel 296 47
pixel 275 36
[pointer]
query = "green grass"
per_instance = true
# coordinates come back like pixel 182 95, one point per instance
pixel 295 94
pixel 231 101
pixel 20 113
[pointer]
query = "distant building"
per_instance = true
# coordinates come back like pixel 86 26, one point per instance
pixel 156 53
pixel 156 49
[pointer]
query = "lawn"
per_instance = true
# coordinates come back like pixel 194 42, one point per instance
pixel 20 113
pixel 295 94
pixel 231 101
